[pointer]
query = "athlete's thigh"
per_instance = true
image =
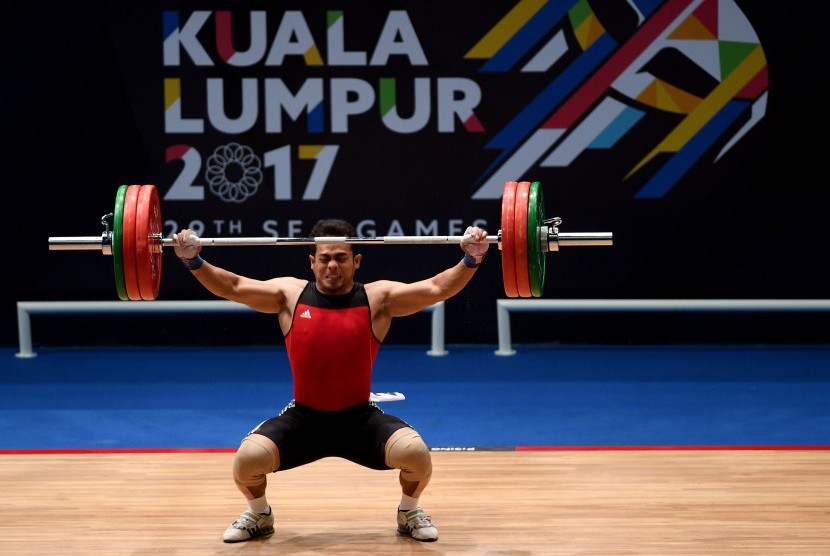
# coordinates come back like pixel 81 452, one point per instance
pixel 298 441
pixel 368 443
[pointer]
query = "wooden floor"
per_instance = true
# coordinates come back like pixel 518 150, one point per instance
pixel 492 503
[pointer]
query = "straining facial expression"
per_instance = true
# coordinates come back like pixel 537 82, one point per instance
pixel 334 266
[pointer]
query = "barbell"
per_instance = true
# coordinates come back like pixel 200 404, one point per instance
pixel 133 237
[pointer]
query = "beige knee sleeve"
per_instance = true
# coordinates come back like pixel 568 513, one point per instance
pixel 256 457
pixel 405 450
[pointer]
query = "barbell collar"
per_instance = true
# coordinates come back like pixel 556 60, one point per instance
pixel 555 240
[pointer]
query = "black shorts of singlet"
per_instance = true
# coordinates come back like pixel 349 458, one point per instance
pixel 304 434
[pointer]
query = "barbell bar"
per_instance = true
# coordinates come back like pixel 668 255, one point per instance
pixel 107 246
pixel 132 236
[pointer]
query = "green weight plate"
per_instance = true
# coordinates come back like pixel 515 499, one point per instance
pixel 117 251
pixel 535 254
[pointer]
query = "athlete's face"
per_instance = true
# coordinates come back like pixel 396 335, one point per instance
pixel 334 266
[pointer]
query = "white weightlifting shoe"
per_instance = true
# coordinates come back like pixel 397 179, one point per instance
pixel 249 526
pixel 417 525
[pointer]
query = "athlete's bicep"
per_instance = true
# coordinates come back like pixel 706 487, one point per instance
pixel 399 299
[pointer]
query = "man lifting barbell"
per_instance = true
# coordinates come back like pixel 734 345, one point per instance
pixel 333 327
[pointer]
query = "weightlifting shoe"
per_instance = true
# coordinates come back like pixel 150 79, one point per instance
pixel 249 526
pixel 417 524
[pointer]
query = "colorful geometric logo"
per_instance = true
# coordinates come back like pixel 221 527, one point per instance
pixel 613 65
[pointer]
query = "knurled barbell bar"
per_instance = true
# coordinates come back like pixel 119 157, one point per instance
pixel 132 235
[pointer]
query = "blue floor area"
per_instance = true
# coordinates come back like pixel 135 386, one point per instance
pixel 544 396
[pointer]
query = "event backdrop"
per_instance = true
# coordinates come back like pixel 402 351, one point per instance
pixel 691 129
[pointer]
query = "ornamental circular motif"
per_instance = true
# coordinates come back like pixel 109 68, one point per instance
pixel 233 172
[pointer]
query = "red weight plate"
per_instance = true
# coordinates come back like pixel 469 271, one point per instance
pixel 128 242
pixel 508 241
pixel 155 243
pixel 148 242
pixel 520 213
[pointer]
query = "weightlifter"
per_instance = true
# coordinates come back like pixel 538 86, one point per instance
pixel 333 328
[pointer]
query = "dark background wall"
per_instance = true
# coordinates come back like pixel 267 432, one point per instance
pixel 83 111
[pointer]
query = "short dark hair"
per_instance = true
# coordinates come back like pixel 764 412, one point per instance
pixel 336 227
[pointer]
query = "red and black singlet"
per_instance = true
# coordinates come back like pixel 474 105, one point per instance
pixel 331 349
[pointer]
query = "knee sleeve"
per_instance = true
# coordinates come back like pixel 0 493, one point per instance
pixel 255 458
pixel 410 454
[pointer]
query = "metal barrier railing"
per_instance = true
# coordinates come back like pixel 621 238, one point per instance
pixel 505 306
pixel 27 308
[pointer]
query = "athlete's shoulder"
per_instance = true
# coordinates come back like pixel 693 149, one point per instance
pixel 381 285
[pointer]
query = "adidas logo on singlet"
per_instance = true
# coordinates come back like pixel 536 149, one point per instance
pixel 305 314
